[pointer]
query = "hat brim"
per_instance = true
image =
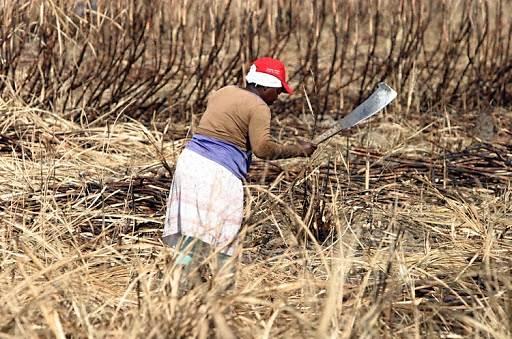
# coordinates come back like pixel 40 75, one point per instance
pixel 287 87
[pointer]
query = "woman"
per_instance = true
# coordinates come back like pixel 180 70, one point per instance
pixel 205 205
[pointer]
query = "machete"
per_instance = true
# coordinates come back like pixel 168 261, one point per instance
pixel 379 99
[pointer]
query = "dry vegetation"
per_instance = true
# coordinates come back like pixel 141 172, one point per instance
pixel 400 228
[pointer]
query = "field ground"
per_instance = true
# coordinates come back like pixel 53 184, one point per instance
pixel 405 238
pixel 401 227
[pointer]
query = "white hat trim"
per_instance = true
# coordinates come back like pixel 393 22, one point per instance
pixel 262 79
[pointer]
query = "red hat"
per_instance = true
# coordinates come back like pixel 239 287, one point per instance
pixel 268 72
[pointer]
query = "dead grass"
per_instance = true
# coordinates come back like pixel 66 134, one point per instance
pixel 400 228
pixel 80 252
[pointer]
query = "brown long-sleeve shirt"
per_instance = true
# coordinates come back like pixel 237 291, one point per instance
pixel 242 118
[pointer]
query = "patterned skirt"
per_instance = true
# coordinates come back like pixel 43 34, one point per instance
pixel 205 202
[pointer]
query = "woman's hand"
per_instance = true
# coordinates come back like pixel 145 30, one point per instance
pixel 307 148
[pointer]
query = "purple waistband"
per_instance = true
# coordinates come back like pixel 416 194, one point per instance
pixel 223 153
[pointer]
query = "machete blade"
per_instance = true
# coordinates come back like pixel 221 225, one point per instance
pixel 379 99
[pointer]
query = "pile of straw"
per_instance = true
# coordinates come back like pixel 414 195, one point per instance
pixel 358 241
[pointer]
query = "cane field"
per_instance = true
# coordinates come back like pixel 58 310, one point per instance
pixel 400 227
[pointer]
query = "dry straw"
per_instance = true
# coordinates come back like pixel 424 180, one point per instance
pixel 400 228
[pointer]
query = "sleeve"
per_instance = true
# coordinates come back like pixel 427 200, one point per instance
pixel 262 143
